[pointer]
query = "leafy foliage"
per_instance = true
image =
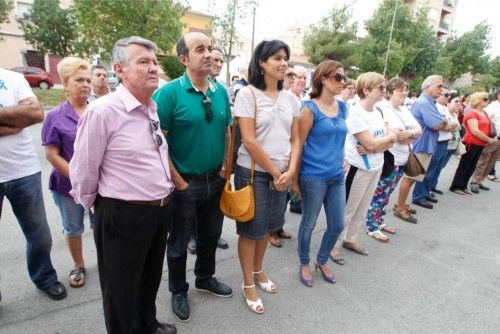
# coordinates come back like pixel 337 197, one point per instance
pixel 100 23
pixel 333 38
pixel 172 66
pixel 414 47
pixel 5 8
pixel 467 52
pixel 49 28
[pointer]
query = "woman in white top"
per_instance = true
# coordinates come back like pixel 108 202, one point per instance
pixel 397 116
pixel 270 140
pixel 368 138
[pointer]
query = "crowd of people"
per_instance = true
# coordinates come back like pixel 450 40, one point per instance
pixel 147 162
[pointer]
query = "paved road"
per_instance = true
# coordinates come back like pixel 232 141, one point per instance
pixel 439 276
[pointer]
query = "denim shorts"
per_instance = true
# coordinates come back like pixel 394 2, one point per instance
pixel 270 205
pixel 72 215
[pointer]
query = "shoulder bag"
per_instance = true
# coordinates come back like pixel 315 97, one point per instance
pixel 238 204
pixel 388 166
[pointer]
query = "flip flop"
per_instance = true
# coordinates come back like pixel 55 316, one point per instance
pixel 378 235
pixel 77 277
pixel 354 248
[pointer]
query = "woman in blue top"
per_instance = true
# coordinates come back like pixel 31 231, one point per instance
pixel 322 133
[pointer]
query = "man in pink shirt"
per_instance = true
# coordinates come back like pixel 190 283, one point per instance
pixel 120 167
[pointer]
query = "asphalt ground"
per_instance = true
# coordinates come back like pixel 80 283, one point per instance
pixel 441 275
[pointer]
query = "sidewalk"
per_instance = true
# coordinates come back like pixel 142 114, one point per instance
pixel 439 276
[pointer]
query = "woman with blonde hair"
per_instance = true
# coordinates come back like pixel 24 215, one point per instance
pixel 478 133
pixel 368 138
pixel 58 137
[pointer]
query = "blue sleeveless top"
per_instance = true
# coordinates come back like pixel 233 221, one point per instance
pixel 323 151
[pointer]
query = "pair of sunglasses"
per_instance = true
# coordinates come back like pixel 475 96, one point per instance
pixel 207 103
pixel 338 77
pixel 155 126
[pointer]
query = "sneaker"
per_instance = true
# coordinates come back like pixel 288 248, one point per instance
pixel 180 307
pixel 214 287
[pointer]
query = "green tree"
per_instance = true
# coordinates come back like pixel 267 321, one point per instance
pixel 333 38
pixel 413 49
pixel 172 66
pixel 102 22
pixel 467 52
pixel 49 28
pixel 5 8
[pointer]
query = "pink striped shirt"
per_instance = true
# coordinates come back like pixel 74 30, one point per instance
pixel 116 155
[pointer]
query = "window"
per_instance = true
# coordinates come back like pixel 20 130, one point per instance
pixel 23 6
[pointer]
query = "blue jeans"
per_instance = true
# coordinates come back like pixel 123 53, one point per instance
pixel 195 208
pixel 25 196
pixel 72 215
pixel 422 189
pixel 315 193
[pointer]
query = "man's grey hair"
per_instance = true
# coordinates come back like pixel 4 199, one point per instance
pixel 430 80
pixel 119 55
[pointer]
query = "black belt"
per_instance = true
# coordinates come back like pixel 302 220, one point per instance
pixel 159 202
pixel 210 175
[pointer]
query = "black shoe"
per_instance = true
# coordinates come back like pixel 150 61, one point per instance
pixel 192 245
pixel 483 187
pixel 56 291
pixel 222 244
pixel 424 204
pixel 180 307
pixel 439 192
pixel 164 328
pixel 214 287
pixel 430 199
pixel 296 208
pixel 474 188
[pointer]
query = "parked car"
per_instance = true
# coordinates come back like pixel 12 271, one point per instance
pixel 35 76
pixel 112 80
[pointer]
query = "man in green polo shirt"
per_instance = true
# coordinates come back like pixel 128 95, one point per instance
pixel 195 115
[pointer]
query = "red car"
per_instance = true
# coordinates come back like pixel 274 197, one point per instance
pixel 35 76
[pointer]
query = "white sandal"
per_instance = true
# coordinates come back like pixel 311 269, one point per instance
pixel 255 306
pixel 379 236
pixel 268 286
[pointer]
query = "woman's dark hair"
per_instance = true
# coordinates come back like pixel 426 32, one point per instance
pixel 324 70
pixel 264 51
pixel 452 96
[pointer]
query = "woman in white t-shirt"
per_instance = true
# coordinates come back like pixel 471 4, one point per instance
pixel 398 117
pixel 268 119
pixel 368 138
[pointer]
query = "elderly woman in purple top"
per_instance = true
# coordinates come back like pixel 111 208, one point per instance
pixel 58 137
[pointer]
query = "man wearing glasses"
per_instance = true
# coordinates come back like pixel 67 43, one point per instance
pixel 194 113
pixel 120 167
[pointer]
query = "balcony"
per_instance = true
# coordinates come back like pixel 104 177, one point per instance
pixel 448 6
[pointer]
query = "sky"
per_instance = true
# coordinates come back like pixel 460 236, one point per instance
pixel 273 17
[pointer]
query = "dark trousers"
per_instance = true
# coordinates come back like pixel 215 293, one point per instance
pixel 130 241
pixel 195 208
pixel 466 167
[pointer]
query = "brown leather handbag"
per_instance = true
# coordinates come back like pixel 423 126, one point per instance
pixel 238 204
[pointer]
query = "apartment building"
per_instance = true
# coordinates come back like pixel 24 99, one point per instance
pixel 441 14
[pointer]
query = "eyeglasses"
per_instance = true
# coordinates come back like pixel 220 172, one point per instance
pixel 207 103
pixel 338 77
pixel 155 126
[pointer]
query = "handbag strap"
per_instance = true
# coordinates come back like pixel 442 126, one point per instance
pixel 229 162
